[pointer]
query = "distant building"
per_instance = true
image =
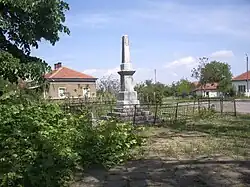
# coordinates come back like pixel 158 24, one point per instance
pixel 208 90
pixel 240 83
pixel 65 82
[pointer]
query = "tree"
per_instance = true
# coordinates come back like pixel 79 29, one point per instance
pixel 108 88
pixel 214 72
pixel 109 84
pixel 23 24
pixel 184 87
pixel 152 93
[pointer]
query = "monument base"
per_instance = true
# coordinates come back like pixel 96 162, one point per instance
pixel 136 115
pixel 127 99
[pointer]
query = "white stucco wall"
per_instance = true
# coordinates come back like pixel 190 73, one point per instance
pixel 211 93
pixel 236 85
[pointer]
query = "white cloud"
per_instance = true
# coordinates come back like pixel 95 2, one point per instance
pixel 198 19
pixel 90 71
pixel 102 72
pixel 141 74
pixel 185 62
pixel 94 20
pixel 171 15
pixel 112 71
pixel 222 54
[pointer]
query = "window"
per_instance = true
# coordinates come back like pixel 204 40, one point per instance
pixel 241 88
pixel 61 92
pixel 86 92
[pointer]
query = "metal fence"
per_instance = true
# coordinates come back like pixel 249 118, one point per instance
pixel 223 106
pixel 152 113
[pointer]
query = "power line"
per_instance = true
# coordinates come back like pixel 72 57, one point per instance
pixel 155 75
pixel 247 72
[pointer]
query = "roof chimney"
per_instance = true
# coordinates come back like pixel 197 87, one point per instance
pixel 59 64
pixel 55 66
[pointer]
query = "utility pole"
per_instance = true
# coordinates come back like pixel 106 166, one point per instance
pixel 155 75
pixel 247 73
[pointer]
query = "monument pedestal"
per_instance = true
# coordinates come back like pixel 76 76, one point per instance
pixel 128 106
pixel 127 96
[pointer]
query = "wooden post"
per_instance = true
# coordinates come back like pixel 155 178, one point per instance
pixel 199 107
pixel 134 114
pixel 156 110
pixel 235 111
pixel 111 108
pixel 176 111
pixel 221 106
pixel 194 107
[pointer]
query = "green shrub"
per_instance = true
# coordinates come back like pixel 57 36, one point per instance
pixel 205 113
pixel 108 144
pixel 36 141
pixel 40 145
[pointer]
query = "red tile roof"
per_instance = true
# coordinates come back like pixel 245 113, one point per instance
pixel 242 77
pixel 208 86
pixel 64 72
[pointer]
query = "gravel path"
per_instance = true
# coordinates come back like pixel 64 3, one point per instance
pixel 182 169
pixel 206 172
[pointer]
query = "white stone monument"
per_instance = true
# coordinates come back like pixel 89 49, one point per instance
pixel 127 96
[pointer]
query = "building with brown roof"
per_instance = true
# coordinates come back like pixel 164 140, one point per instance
pixel 65 82
pixel 240 83
pixel 208 90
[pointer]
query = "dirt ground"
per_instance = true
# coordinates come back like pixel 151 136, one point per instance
pixel 200 154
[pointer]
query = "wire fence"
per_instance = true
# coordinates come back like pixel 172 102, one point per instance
pixel 152 113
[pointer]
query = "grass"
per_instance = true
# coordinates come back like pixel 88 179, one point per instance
pixel 227 136
pixel 209 152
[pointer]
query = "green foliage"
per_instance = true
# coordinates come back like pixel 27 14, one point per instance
pixel 108 84
pixel 183 87
pixel 41 145
pixel 204 113
pixel 36 144
pixel 152 93
pixel 108 144
pixel 214 72
pixel 24 23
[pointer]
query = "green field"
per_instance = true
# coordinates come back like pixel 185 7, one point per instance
pixel 210 152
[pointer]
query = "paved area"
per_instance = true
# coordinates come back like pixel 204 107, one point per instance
pixel 228 106
pixel 177 159
pixel 171 173
pixel 243 107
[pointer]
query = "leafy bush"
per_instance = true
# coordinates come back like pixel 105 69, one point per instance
pixel 108 144
pixel 36 141
pixel 205 113
pixel 40 145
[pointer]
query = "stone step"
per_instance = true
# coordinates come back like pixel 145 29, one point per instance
pixel 128 109
pixel 136 118
pixel 144 113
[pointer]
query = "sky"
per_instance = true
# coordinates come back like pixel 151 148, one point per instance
pixel 166 35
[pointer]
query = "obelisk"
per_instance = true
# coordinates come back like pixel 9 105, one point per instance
pixel 127 96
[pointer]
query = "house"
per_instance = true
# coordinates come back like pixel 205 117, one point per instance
pixel 65 82
pixel 240 83
pixel 208 90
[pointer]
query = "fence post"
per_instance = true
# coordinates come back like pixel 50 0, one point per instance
pixel 221 106
pixel 199 107
pixel 134 114
pixel 194 107
pixel 176 111
pixel 156 110
pixel 235 112
pixel 111 108
pixel 209 103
